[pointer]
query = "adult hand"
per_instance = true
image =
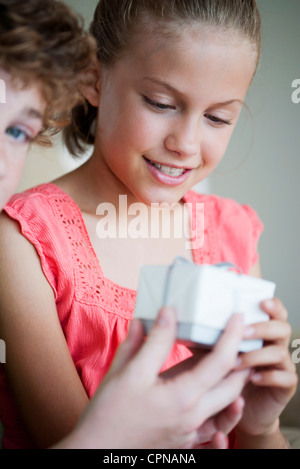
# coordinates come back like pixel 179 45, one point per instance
pixel 135 407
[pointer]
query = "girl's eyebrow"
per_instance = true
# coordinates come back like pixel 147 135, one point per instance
pixel 33 113
pixel 174 90
pixel 157 81
pixel 227 103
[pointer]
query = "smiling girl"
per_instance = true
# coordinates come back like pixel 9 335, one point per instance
pixel 162 101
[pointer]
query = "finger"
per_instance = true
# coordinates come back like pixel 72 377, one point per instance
pixel 223 422
pixel 275 309
pixel 229 417
pixel 267 356
pixel 276 379
pixel 128 348
pixel 222 395
pixel 218 363
pixel 270 331
pixel 152 355
pixel 206 431
pixel 218 441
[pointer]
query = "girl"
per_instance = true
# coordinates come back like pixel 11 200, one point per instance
pixel 34 79
pixel 163 99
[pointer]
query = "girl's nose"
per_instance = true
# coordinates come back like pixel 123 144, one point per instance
pixel 184 139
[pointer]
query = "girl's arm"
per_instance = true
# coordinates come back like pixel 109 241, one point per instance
pixel 39 366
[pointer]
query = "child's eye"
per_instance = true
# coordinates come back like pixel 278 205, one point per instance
pixel 158 106
pixel 217 121
pixel 18 135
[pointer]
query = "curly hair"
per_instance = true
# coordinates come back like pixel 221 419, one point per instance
pixel 118 23
pixel 44 42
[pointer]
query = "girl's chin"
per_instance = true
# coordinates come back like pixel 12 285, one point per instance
pixel 160 196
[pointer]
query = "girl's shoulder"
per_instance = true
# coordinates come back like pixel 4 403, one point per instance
pixel 231 230
pixel 43 207
pixel 49 219
pixel 38 193
pixel 223 210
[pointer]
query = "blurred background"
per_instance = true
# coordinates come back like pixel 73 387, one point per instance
pixel 262 164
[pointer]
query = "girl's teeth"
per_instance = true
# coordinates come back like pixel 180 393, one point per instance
pixel 175 172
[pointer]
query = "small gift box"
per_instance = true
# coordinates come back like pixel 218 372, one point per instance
pixel 204 297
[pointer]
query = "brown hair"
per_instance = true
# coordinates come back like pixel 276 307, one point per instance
pixel 43 41
pixel 116 23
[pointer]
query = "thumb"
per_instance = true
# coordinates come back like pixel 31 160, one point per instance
pixel 160 341
pixel 129 347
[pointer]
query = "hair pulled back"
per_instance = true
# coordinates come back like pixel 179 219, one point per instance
pixel 118 22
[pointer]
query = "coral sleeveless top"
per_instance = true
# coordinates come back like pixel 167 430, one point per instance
pixel 94 312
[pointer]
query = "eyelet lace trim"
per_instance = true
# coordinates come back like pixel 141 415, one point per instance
pixel 91 286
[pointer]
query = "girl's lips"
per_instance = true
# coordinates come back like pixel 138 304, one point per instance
pixel 167 179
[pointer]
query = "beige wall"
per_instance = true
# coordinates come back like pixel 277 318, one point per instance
pixel 262 165
pixel 267 150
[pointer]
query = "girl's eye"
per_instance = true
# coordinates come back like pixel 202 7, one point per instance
pixel 18 135
pixel 158 106
pixel 217 121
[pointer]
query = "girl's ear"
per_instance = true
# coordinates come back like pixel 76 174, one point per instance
pixel 90 83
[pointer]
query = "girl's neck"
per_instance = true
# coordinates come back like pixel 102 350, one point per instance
pixel 103 185
pixel 93 184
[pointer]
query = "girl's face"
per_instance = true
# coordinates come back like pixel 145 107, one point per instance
pixel 167 111
pixel 20 121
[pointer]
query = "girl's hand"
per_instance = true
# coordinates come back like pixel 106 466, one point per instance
pixel 273 380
